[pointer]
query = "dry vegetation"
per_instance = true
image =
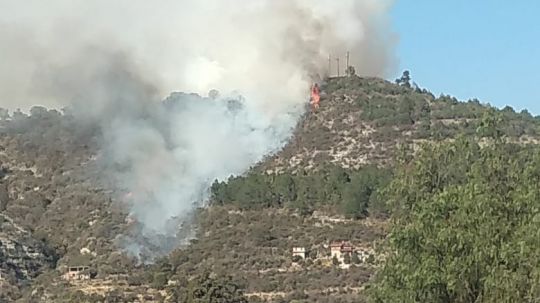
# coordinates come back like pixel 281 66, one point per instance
pixel 364 120
pixel 54 204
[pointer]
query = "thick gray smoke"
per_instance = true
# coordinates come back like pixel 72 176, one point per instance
pixel 111 61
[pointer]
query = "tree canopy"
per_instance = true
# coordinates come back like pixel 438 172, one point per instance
pixel 351 192
pixel 465 226
pixel 208 289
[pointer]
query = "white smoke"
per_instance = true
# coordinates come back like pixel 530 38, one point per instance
pixel 111 60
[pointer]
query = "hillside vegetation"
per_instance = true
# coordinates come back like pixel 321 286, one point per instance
pixel 438 199
pixel 465 226
pixel 363 121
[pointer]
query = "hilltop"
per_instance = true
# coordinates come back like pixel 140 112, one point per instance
pixel 322 187
pixel 363 121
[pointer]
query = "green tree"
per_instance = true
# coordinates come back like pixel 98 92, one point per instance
pixel 160 280
pixel 424 122
pixel 356 199
pixel 362 190
pixel 406 110
pixel 465 226
pixel 405 79
pixel 355 259
pixel 208 289
pixel 347 259
pixel 284 188
pixel 350 71
pixel 219 192
pixel 490 125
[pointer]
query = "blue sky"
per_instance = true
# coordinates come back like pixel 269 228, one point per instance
pixel 485 49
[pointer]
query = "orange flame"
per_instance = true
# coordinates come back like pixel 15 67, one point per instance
pixel 315 96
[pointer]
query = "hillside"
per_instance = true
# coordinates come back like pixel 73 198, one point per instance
pixel 322 187
pixel 51 196
pixel 23 257
pixel 363 120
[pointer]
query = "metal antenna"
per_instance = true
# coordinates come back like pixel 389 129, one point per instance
pixel 329 65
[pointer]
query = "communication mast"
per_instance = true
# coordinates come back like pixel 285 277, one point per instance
pixel 329 65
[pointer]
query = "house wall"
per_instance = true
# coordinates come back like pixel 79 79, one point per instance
pixel 335 252
pixel 299 251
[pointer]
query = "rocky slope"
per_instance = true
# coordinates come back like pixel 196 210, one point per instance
pixel 22 257
pixel 50 206
pixel 364 120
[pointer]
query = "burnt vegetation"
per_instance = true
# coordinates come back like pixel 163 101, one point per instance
pixel 458 181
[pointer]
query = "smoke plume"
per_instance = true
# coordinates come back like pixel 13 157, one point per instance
pixel 113 61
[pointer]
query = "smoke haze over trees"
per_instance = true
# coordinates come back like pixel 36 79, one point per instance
pixel 109 63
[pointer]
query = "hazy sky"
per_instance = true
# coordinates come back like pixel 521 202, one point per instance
pixel 485 49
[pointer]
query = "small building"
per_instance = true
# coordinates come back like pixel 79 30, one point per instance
pixel 339 249
pixel 76 273
pixel 299 251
